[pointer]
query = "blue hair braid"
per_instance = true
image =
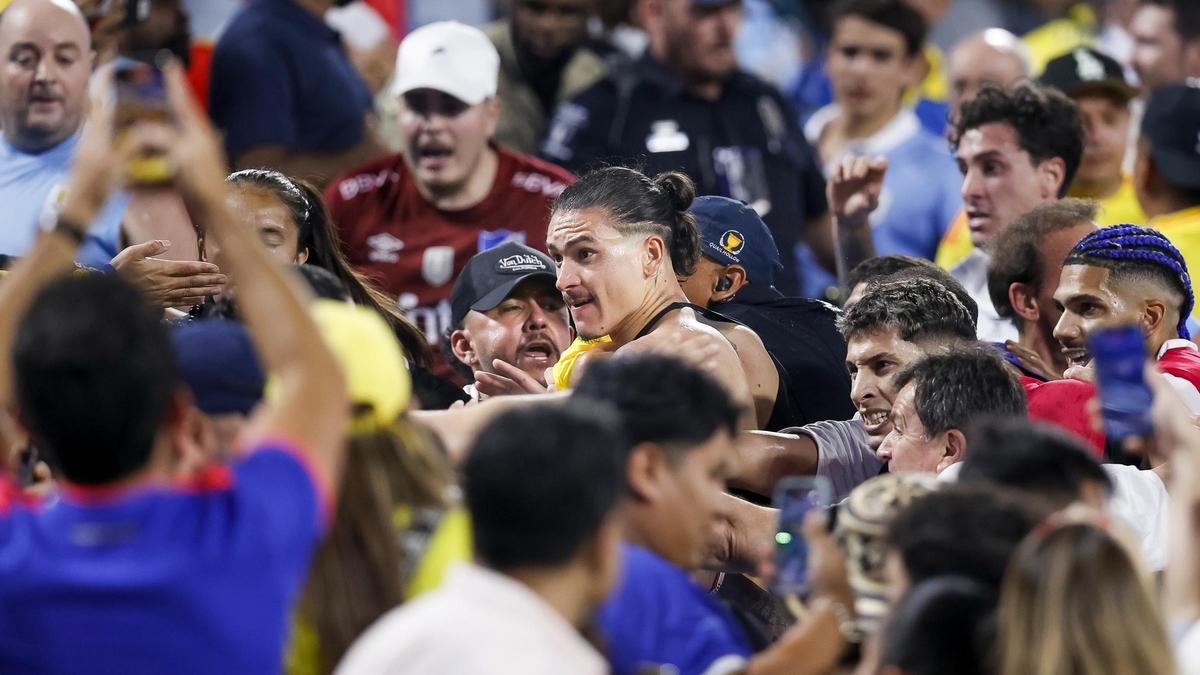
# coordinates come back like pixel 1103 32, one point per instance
pixel 1131 243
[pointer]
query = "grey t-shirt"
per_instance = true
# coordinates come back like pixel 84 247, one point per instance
pixel 843 455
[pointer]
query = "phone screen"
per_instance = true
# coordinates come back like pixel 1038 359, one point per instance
pixel 141 91
pixel 795 497
pixel 1119 357
pixel 141 94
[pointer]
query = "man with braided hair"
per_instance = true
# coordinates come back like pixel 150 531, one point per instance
pixel 1128 274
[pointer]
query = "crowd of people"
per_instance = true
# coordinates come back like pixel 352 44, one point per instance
pixel 494 350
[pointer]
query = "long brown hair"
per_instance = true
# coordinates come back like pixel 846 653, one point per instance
pixel 318 235
pixel 1073 602
pixel 360 570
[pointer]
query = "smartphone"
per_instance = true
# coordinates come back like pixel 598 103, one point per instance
pixel 1119 357
pixel 795 497
pixel 141 94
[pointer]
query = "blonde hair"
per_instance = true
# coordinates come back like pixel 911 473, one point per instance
pixel 1073 602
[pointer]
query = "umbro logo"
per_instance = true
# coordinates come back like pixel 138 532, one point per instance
pixel 384 248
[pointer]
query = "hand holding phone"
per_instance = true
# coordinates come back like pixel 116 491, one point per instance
pixel 141 95
pixel 795 497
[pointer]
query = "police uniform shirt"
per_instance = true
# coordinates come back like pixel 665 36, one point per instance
pixel 745 145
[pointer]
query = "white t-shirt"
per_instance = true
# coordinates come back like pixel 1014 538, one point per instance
pixel 478 621
pixel 972 274
pixel 1187 651
pixel 1140 500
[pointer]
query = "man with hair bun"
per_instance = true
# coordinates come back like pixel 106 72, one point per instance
pixel 685 105
pixel 620 240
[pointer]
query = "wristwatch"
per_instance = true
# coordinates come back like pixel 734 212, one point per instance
pixel 73 230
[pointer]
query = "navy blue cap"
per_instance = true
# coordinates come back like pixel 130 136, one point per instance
pixel 217 361
pixel 491 275
pixel 1171 125
pixel 731 233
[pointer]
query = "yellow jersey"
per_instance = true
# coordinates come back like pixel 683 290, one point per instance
pixel 1078 28
pixel 1183 229
pixel 564 369
pixel 1121 207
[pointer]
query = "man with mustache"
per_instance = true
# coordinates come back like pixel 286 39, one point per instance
pixel 510 322
pixel 412 220
pixel 686 106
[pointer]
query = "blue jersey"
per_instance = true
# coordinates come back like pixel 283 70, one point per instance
pixel 658 616
pixel 32 187
pixel 922 192
pixel 157 579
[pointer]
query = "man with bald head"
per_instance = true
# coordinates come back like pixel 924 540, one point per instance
pixel 47 61
pixel 48 58
pixel 992 56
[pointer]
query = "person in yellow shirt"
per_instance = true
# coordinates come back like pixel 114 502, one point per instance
pixel 1078 26
pixel 1167 171
pixel 1097 84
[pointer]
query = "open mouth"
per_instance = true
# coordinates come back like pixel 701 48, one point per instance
pixel 539 351
pixel 875 417
pixel 1077 356
pixel 432 154
pixel 978 220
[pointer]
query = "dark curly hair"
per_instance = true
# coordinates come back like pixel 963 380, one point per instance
pixel 1047 123
pixel 917 309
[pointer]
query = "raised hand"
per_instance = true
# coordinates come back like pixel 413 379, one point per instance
pixel 854 187
pixel 168 283
pixel 508 379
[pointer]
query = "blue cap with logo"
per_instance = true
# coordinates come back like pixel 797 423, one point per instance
pixel 731 233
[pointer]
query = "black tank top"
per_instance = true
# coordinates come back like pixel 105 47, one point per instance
pixel 781 412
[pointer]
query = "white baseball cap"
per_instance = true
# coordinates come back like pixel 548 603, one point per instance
pixel 450 57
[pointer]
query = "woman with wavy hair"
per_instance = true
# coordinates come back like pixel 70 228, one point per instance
pixel 1074 602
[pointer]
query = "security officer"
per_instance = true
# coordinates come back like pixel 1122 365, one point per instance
pixel 735 277
pixel 685 106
